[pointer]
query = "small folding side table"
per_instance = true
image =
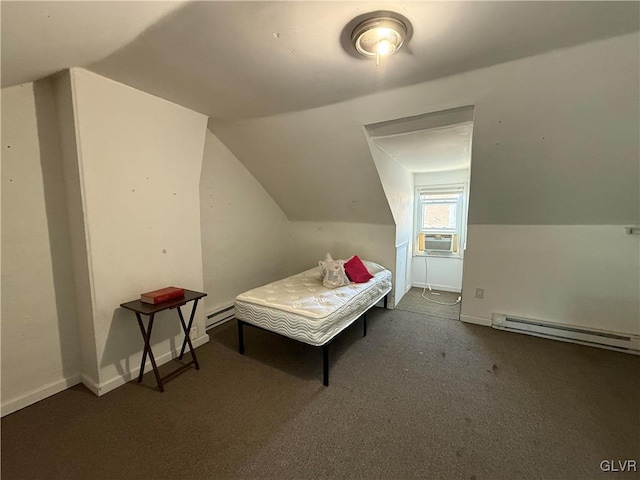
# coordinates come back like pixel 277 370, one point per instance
pixel 141 308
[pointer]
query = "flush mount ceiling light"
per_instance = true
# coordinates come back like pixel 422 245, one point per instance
pixel 378 36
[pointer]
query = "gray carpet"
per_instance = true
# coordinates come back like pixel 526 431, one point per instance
pixel 412 399
pixel 413 301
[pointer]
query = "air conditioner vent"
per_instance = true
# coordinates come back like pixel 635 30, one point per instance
pixel 440 243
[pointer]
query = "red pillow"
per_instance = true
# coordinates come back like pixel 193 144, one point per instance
pixel 356 271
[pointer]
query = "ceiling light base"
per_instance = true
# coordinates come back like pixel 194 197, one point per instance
pixel 378 36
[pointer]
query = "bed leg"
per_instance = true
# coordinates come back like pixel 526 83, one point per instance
pixel 325 365
pixel 365 324
pixel 385 301
pixel 240 337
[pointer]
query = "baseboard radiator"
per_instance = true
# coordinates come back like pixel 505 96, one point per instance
pixel 568 333
pixel 220 316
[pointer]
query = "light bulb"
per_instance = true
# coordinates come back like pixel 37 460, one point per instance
pixel 384 47
pixel 378 36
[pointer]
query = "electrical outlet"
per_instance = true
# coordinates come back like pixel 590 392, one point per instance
pixel 194 332
pixel 479 292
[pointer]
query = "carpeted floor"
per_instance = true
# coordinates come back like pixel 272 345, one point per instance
pixel 413 301
pixel 412 399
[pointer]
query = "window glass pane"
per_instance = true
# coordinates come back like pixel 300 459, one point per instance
pixel 440 196
pixel 439 216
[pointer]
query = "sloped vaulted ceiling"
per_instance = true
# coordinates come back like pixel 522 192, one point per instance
pixel 237 59
pixel 274 76
pixel 316 164
pixel 40 38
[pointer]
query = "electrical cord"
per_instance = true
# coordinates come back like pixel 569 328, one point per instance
pixel 424 290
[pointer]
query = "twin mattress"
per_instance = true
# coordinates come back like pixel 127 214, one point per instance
pixel 299 307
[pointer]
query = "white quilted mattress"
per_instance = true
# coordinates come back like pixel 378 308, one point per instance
pixel 299 307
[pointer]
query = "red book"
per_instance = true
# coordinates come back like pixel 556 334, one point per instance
pixel 162 295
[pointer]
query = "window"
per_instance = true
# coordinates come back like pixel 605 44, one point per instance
pixel 439 212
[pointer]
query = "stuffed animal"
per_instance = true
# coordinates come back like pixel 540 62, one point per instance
pixel 333 274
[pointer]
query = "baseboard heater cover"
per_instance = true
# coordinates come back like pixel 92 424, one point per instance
pixel 568 333
pixel 220 316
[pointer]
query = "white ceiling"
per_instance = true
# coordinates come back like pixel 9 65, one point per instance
pixel 41 38
pixel 237 59
pixel 433 150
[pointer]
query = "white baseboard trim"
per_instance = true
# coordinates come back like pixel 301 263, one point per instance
pixel 89 383
pixel 485 322
pixel 37 395
pixel 109 385
pixel 442 288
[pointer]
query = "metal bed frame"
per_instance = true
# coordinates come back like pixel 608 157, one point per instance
pixel 325 347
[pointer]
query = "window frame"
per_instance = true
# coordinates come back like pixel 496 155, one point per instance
pixel 459 230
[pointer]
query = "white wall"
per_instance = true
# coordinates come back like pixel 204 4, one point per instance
pixel 140 162
pixel 523 267
pixel 78 233
pixel 40 354
pixel 397 183
pixel 441 273
pixel 246 238
pixel 128 220
pixel 555 142
pixel 313 240
pixel 554 179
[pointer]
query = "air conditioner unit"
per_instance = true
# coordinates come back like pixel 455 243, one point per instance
pixel 438 242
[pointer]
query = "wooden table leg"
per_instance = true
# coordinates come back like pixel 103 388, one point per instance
pixel 147 349
pixel 187 338
pixel 144 353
